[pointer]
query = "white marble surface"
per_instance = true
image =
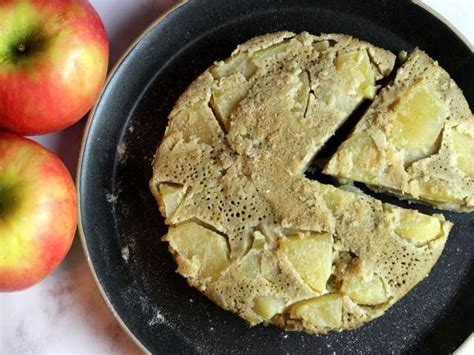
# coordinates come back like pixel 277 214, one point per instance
pixel 65 313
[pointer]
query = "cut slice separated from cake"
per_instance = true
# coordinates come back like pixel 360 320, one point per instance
pixel 416 140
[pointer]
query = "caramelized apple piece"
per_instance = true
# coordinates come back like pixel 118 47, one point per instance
pixel 418 119
pixel 365 292
pixel 363 158
pixel 240 63
pixel 311 256
pixel 463 143
pixel 276 50
pixel 268 306
pixel 250 264
pixel 205 249
pixel 334 200
pixel 356 70
pixel 227 95
pixel 321 46
pixel 197 122
pixel 418 228
pixel 259 241
pixel 323 311
pixel 170 197
pixel 438 191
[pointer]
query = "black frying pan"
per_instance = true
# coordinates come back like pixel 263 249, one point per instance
pixel 121 226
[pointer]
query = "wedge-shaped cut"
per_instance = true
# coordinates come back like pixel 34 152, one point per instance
pixel 311 256
pixel 418 228
pixel 357 72
pixel 365 292
pixel 170 197
pixel 418 119
pixel 205 251
pixel 463 143
pixel 324 311
pixel 226 96
pixel 423 131
pixel 275 51
pixel 239 63
pixel 268 306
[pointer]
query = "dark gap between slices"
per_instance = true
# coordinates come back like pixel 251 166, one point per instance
pixel 388 197
pixel 314 170
pixel 342 133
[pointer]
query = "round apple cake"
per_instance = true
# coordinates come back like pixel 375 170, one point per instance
pixel 246 227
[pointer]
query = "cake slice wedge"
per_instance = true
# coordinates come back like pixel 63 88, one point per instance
pixel 416 140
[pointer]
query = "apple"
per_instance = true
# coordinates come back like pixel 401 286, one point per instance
pixel 38 213
pixel 53 62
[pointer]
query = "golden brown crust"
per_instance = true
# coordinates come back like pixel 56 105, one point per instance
pixel 233 158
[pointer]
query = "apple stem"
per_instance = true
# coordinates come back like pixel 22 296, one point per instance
pixel 21 48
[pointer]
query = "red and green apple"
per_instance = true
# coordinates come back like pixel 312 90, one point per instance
pixel 38 213
pixel 53 62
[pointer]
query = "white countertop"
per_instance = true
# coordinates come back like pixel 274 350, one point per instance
pixel 65 313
